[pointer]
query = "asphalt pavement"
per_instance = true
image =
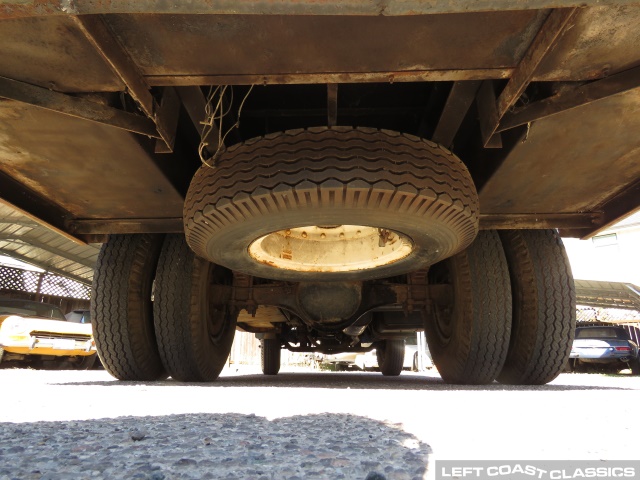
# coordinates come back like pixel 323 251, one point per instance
pixel 301 424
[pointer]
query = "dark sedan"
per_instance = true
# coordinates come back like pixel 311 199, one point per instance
pixel 606 347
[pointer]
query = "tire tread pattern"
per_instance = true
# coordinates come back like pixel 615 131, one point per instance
pixel 122 316
pixel 477 348
pixel 183 343
pixel 270 353
pixel 390 356
pixel 359 168
pixel 544 306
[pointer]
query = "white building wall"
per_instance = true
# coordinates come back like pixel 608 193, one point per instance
pixel 612 256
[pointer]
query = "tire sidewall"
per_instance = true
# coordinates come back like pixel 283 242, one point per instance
pixel 231 245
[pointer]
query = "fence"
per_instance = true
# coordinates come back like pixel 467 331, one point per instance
pixel 42 283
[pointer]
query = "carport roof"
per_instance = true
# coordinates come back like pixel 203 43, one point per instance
pixel 607 294
pixel 27 239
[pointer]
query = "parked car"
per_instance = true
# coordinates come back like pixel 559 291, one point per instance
pixel 605 347
pixel 79 316
pixel 342 361
pixel 411 355
pixel 369 360
pixel 34 333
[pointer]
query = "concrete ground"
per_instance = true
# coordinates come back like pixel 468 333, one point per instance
pixel 301 424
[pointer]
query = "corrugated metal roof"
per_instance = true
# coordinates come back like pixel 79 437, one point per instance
pixel 24 238
pixel 607 294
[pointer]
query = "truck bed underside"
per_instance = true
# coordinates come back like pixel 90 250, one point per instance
pixel 542 105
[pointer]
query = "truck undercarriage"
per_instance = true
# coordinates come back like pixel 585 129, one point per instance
pixel 330 176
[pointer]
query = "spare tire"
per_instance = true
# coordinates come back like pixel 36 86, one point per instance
pixel 331 203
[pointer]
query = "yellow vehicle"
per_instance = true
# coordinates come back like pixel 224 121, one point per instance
pixel 34 332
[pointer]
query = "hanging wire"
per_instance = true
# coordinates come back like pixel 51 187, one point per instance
pixel 214 111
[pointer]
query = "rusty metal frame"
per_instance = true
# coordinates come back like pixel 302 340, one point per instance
pixel 332 104
pixel 21 8
pixel 85 226
pixel 16 196
pixel 76 107
pixel 503 221
pixel 544 41
pixel 575 97
pixel 455 109
pixel 486 101
pixel 195 104
pixel 615 209
pixel 164 115
pixel 499 221
pixel 409 297
pixel 331 77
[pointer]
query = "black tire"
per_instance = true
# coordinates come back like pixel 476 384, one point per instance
pixel 390 355
pixel 193 323
pixel 262 190
pixel 544 307
pixel 569 367
pixel 270 356
pixel 468 340
pixel 634 365
pixel 580 367
pixel 86 363
pixel 121 307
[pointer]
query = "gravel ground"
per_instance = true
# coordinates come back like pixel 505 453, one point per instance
pixel 300 424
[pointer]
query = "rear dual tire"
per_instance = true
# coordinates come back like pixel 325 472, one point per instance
pixel 193 324
pixel 469 339
pixel 513 315
pixel 270 353
pixel 390 356
pixel 186 332
pixel 122 310
pixel 544 307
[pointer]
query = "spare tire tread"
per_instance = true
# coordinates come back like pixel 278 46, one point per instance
pixel 229 167
pixel 286 171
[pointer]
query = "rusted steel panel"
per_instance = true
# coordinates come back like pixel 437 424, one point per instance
pixel 332 104
pixel 573 97
pixel 342 77
pixel 623 204
pixel 76 107
pixel 86 169
pixel 545 220
pixel 545 39
pixel 24 202
pixel 101 39
pixel 125 225
pixel 16 8
pixel 458 103
pixel 488 114
pixel 602 41
pixel 164 116
pixel 53 53
pixel 572 162
pixel 177 50
pixel 173 50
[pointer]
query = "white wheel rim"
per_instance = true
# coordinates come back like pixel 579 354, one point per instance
pixel 337 248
